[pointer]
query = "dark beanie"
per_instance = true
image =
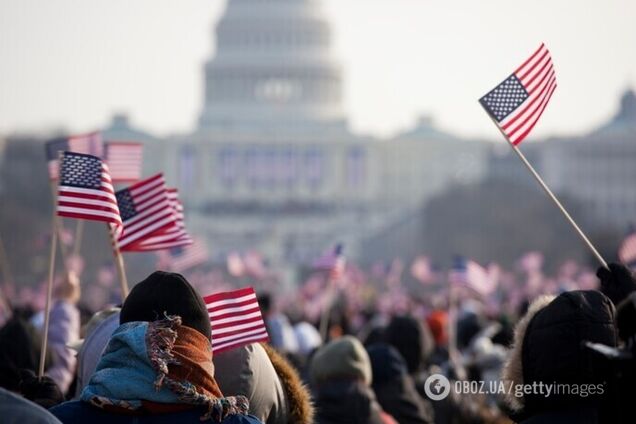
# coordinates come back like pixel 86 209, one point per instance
pixel 166 293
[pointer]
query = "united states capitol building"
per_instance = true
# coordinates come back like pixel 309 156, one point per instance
pixel 273 167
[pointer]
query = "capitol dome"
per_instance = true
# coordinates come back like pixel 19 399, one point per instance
pixel 273 68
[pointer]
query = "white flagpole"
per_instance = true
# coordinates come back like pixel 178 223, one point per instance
pixel 552 196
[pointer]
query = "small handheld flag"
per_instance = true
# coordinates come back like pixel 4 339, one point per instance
pixel 173 236
pixel 518 102
pixel 516 105
pixel 145 210
pixel 124 159
pixel 332 261
pixel 236 319
pixel 85 190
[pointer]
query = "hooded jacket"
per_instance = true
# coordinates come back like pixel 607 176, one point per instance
pixel 548 349
pixel 249 370
pixel 394 387
pixel 341 375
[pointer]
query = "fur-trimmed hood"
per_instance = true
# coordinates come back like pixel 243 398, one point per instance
pixel 548 348
pixel 299 404
pixel 513 368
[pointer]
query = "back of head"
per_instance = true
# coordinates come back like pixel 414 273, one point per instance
pixel 19 349
pixel 412 339
pixel 248 370
pixel 98 332
pixel 166 293
pixel 341 359
pixel 549 348
pixel 386 363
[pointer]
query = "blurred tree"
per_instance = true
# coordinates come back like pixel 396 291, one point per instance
pixel 497 220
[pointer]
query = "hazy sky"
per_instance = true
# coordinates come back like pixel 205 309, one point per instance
pixel 72 63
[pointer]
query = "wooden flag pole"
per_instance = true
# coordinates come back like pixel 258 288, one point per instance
pixel 49 287
pixel 57 224
pixel 553 197
pixel 119 261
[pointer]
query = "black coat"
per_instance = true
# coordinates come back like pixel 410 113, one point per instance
pixel 346 402
pixel 394 387
pixel 553 352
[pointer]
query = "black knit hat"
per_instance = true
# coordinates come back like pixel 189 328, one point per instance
pixel 166 293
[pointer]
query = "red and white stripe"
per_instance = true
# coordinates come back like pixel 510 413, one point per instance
pixel 92 204
pixel 236 319
pixel 539 79
pixel 124 159
pixel 154 213
pixel 172 236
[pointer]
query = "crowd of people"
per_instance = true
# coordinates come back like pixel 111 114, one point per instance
pixel 542 349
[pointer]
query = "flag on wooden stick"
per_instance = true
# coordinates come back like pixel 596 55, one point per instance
pixel 332 261
pixel 145 210
pixel 236 319
pixel 174 235
pixel 85 190
pixel 517 103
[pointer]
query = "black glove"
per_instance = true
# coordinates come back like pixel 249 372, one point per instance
pixel 43 391
pixel 617 282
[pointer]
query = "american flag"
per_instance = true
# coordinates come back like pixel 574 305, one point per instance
pixel 174 235
pixel 184 258
pixel 124 159
pixel 332 261
pixel 90 144
pixel 145 210
pixel 517 103
pixel 236 319
pixel 85 190
pixel 468 273
pixel 627 250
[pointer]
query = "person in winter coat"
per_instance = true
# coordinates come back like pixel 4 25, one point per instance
pixel 300 408
pixel 273 398
pixel 99 329
pixel 341 376
pixel 394 387
pixel 64 330
pixel 157 367
pixel 548 350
